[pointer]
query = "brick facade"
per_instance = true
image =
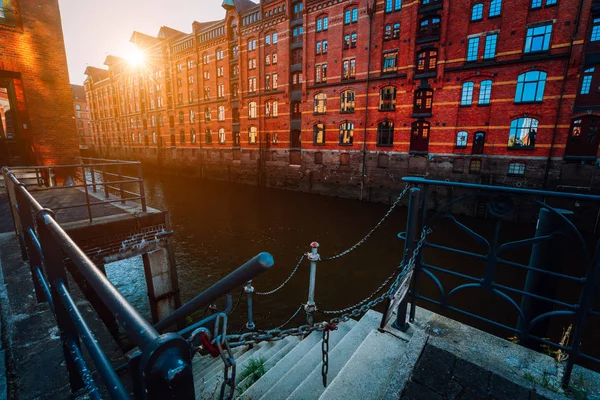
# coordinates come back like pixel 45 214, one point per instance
pixel 387 98
pixel 82 116
pixel 33 69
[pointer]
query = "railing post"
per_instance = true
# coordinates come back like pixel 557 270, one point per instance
pixel 422 204
pixel 249 289
pixel 104 182
pixel 87 194
pixel 412 228
pixel 14 208
pixel 121 187
pixel 310 306
pixel 55 269
pixel 142 190
pixel 51 181
pixel 93 173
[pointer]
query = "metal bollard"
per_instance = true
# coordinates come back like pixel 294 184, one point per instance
pixel 249 289
pixel 310 307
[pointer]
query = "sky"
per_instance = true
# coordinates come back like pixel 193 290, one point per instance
pixel 93 29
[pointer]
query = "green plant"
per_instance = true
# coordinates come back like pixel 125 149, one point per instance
pixel 254 370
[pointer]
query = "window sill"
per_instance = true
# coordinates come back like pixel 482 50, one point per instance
pixel 387 109
pixel 428 39
pixel 521 148
pixel 346 112
pixel 346 144
pixel 460 147
pixel 320 113
pixel 421 115
pixel 516 103
pixel 318 144
pixel 384 145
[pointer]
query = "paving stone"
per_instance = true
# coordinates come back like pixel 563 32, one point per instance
pixel 504 389
pixel 453 390
pixel 472 377
pixel 434 369
pixel 416 391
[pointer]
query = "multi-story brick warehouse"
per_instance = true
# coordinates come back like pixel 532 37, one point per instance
pixel 35 96
pixel 82 116
pixel 347 97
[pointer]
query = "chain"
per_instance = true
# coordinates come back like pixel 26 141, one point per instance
pixel 222 344
pixel 325 353
pixel 290 319
pixel 284 282
pixel 385 217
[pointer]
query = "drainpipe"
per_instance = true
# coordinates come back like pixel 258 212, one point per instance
pixel 562 93
pixel 364 150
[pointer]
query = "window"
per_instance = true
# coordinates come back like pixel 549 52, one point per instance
pixel 462 138
pixel 154 139
pixel 485 93
pixel 385 133
pixel 477 12
pixel 252 135
pixel 423 101
pixel 429 27
pixel 473 49
pixel 419 138
pixel 252 111
pixel 387 98
pixel 220 54
pixel 274 109
pixel 350 41
pixel 390 62
pixel 321 73
pixel 221 113
pixel 516 168
pixel 427 61
pixel 350 16
pixel 320 103
pixel 586 84
pixel 221 135
pixel 538 3
pixel 466 98
pixel 207 136
pixel 393 5
pixel 349 69
pixel 182 137
pixel 252 84
pixel 268 40
pixel 346 133
pixel 495 8
pixel 274 58
pixel 252 44
pixel 490 46
pixel 268 82
pixel 274 79
pixel 268 59
pixel 252 63
pixel 347 99
pixel 538 38
pixel 475 166
pixel 523 132
pixel 322 24
pixel 478 143
pixel 297 34
pixel 319 134
pixel 192 117
pixel 321 48
pixel 530 87
pixel 207 114
pixel 595 36
pixel 275 38
pixel 181 118
pixel 193 136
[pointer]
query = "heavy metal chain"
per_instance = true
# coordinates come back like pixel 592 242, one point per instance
pixel 325 353
pixel 363 240
pixel 284 282
pixel 226 354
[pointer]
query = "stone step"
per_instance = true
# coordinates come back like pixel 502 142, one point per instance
pixel 201 363
pixel 296 375
pixel 275 373
pixel 280 351
pixel 312 387
pixel 368 372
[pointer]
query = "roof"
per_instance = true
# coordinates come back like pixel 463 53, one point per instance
pixel 112 60
pixel 143 40
pixel 169 33
pixel 96 72
pixel 243 5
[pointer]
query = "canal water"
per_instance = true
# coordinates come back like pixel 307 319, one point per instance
pixel 218 226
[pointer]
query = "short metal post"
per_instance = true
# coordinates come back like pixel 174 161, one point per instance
pixel 249 289
pixel 14 208
pixel 51 181
pixel 93 173
pixel 142 191
pixel 310 306
pixel 87 194
pixel 104 181
pixel 55 268
pixel 412 227
pixel 121 185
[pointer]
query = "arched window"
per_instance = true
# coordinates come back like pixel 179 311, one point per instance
pixel 530 87
pixel 583 138
pixel 77 107
pixel 319 134
pixel 221 113
pixel 346 133
pixel 495 8
pixel 296 110
pixel 140 138
pixel 192 116
pixel 320 103
pixel 387 98
pixel 347 100
pixel 252 135
pixel 207 115
pixel 393 5
pixel 173 142
pixel 427 61
pixel 252 111
pixel 429 26
pixel 154 137
pixel 221 135
pixel 419 138
pixel 485 93
pixel 523 132
pixel 462 138
pixel 477 12
pixel 423 101
pixel 207 136
pixel 385 133
pixel 182 137
pixel 193 136
pixel 466 97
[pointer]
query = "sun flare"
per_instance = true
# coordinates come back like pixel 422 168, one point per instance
pixel 135 57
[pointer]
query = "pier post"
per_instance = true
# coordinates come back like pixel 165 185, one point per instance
pixel 545 255
pixel 249 289
pixel 163 288
pixel 310 306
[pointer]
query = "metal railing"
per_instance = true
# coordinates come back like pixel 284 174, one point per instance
pixel 160 367
pixel 535 301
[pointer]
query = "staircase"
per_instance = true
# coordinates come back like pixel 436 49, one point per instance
pixel 362 360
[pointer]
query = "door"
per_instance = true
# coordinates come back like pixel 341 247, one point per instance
pixel 583 138
pixel 13 149
pixel 419 138
pixel 478 142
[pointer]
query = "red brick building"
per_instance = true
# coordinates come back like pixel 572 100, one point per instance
pixel 35 96
pixel 82 117
pixel 346 97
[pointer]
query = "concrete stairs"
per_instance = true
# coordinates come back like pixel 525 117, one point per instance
pixel 362 360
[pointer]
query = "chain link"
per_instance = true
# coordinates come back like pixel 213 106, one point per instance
pixel 363 240
pixel 325 354
pixel 284 282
